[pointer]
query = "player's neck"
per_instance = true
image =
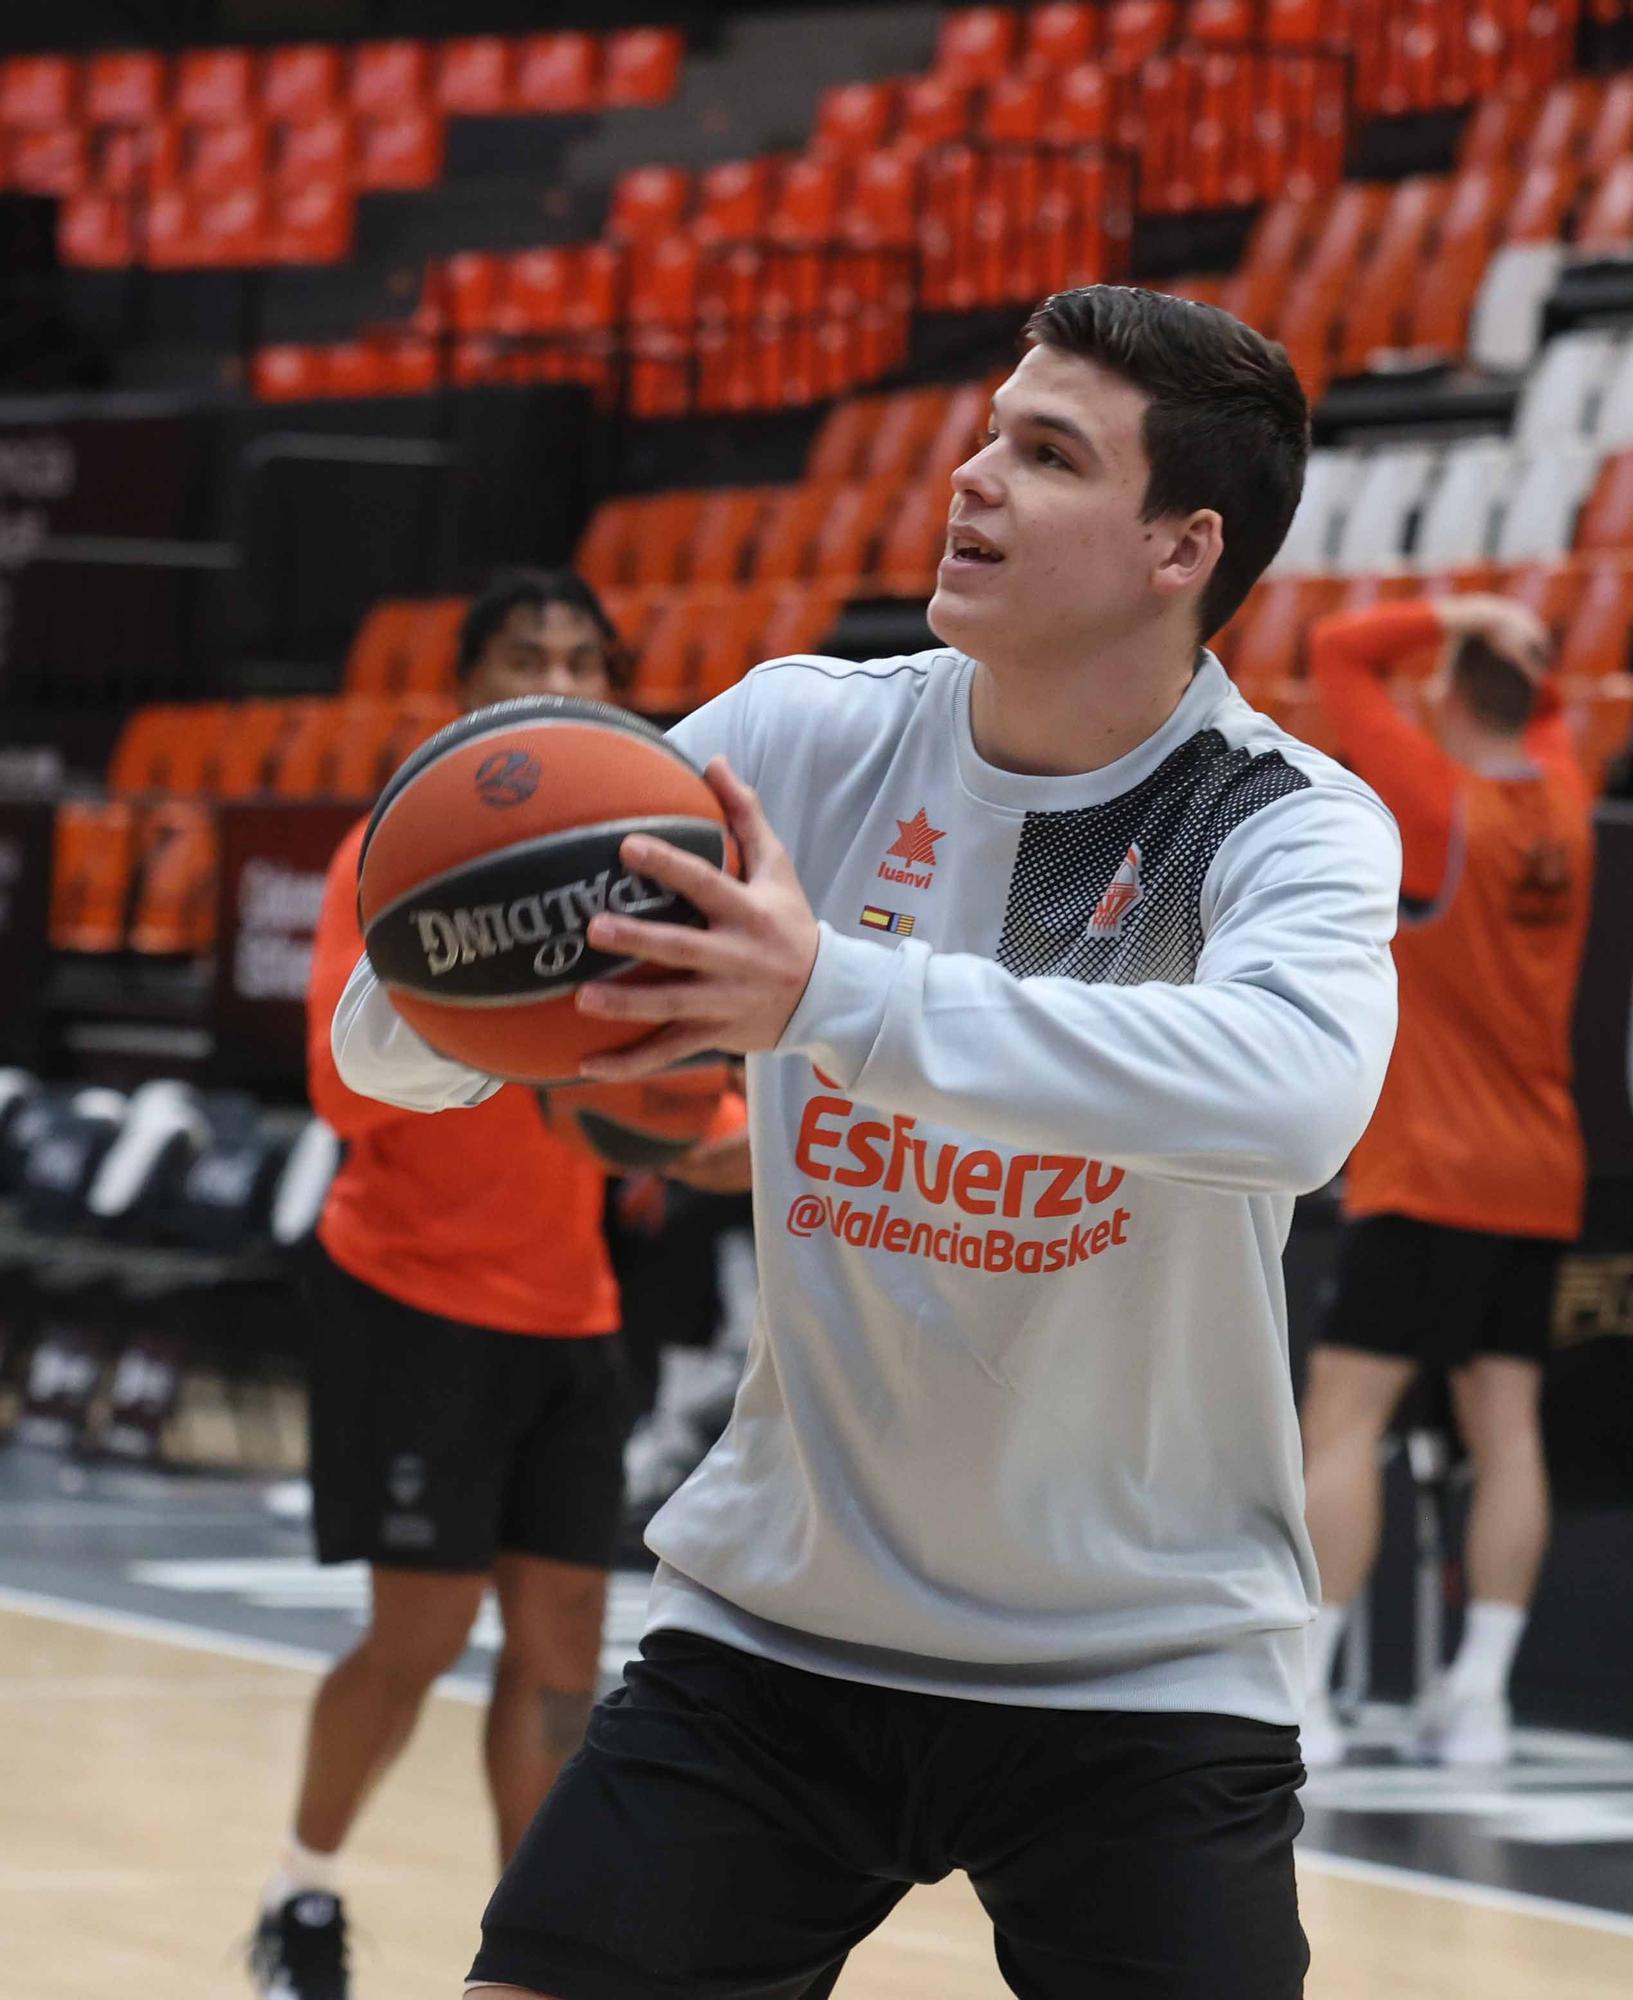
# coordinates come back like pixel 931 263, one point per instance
pixel 1056 722
pixel 1484 751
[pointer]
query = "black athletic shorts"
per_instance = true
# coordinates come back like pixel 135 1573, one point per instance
pixel 1441 1296
pixel 436 1445
pixel 731 1828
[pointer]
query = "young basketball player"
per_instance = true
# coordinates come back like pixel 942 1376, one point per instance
pixel 1470 1180
pixel 467 1402
pixel 1062 973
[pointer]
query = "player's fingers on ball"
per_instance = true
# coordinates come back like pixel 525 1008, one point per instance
pixel 656 944
pixel 744 811
pixel 693 1000
pixel 704 886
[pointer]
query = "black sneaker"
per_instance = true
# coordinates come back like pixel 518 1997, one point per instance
pixel 299 1949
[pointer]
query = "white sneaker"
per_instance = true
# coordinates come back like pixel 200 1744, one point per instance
pixel 1474 1731
pixel 1321 1735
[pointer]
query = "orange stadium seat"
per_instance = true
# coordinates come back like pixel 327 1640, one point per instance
pixel 848 535
pixel 1596 640
pixel 1496 131
pixel 39 91
pixel 558 72
pixel 323 150
pixel 606 549
pixel 312 224
pixel 1552 589
pixel 1374 316
pixel 125 87
pixel 913 542
pixel 641 66
pixel 301 763
pixel 1227 21
pixel 958 435
pixel 226 156
pixel 289 373
pixel 247 750
pixel 800 618
pixel 1135 30
pixel 785 546
pixel 806 206
pixel 1317 290
pixel 1081 111
pixel 214 86
pixel 302 81
pixel 94 852
pixel 48 162
pixel 727 526
pixel 666 668
pixel 471 283
pixel 732 200
pixel 95 231
pixel 382 649
pixel 734 641
pixel 534 289
pixel 134 160
pixel 170 233
pixel 389 78
pixel 907 421
pixel 854 119
pixel 976 44
pixel 934 112
pixel 1467 235
pixel 360 751
pixel 231 229
pixel 1606 521
pixel 1607 221
pixel 1014 109
pixel 1537 212
pixel 1610 137
pixel 649 202
pixel 1060 35
pixel 1269 635
pixel 882 212
pixel 474 76
pixel 401 150
pixel 663 538
pixel 839 449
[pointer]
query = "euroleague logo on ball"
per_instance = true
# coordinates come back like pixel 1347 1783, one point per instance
pixel 507 778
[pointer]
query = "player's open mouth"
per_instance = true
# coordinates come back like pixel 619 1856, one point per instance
pixel 965 545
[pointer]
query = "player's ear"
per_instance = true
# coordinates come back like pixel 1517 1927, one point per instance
pixel 1188 550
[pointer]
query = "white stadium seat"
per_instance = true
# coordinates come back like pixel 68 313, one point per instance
pixel 1459 516
pixel 1562 392
pixel 1505 328
pixel 1376 531
pixel 1328 484
pixel 1544 501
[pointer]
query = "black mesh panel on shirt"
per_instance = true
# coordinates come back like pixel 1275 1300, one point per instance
pixel 1070 911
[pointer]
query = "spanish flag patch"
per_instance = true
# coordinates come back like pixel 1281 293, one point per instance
pixel 887 920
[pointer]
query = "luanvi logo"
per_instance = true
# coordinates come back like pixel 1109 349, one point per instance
pixel 507 778
pixel 553 922
pixel 915 847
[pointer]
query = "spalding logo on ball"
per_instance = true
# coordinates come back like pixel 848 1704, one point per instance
pixel 475 920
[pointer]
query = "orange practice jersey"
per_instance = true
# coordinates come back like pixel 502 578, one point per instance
pixel 1477 1126
pixel 481 1215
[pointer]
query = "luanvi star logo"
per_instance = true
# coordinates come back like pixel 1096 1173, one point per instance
pixel 915 847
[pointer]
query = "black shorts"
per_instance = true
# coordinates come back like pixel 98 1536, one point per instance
pixel 1439 1296
pixel 436 1445
pixel 731 1828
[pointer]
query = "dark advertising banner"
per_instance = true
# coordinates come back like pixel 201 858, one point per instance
pixel 274 857
pixel 1604 1013
pixel 25 901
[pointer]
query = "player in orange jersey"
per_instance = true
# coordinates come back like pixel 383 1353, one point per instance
pixel 1470 1179
pixel 468 1405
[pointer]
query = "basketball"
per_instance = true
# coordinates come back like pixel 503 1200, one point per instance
pixel 644 1124
pixel 486 857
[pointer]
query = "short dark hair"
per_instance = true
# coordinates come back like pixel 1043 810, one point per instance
pixel 1227 425
pixel 538 589
pixel 1495 691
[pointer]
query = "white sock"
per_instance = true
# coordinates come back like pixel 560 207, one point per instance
pixel 1321 1649
pixel 300 1869
pixel 1491 1636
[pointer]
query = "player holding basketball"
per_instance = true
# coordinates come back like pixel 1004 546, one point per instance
pixel 467 1396
pixel 1063 972
pixel 1470 1180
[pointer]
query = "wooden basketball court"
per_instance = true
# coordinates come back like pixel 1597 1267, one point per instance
pixel 146 1780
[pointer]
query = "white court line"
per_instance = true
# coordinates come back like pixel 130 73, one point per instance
pixel 1453 1889
pixel 197 1639
pixel 268 1652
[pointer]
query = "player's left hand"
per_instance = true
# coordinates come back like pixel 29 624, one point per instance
pixel 740 980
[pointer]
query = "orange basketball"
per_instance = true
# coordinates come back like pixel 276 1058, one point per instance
pixel 488 854
pixel 648 1123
